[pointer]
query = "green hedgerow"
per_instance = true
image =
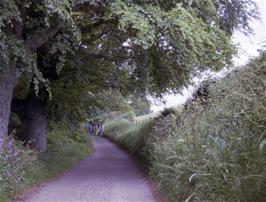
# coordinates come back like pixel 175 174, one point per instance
pixel 216 151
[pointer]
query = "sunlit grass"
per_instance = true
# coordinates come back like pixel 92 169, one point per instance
pixel 128 134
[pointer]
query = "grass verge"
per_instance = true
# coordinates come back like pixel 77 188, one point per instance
pixel 128 134
pixel 64 149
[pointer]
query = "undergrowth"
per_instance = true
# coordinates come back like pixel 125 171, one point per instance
pixel 215 148
pixel 129 135
pixel 22 168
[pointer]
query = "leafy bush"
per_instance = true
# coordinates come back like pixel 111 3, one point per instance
pixel 64 149
pixel 128 134
pixel 21 167
pixel 15 159
pixel 108 105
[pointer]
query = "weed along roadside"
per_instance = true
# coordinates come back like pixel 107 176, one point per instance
pixel 213 147
pixel 32 169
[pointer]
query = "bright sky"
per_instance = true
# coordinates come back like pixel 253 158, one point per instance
pixel 250 44
pixel 248 49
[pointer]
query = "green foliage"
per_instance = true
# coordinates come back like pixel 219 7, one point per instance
pixel 58 43
pixel 129 135
pixel 108 105
pixel 177 42
pixel 141 105
pixel 27 25
pixel 15 161
pixel 234 15
pixel 21 167
pixel 167 42
pixel 214 148
pixel 65 148
pixel 9 10
pixel 212 151
pixel 130 17
pixel 68 105
pixel 13 51
pixel 78 46
pixel 184 36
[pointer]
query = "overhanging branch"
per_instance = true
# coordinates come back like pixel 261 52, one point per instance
pixel 38 39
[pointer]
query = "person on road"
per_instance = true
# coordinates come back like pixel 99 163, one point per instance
pixel 90 128
pixel 95 129
pixel 101 130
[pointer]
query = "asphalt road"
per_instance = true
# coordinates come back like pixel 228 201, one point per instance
pixel 108 174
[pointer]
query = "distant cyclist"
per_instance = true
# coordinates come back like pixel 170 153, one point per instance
pixel 101 130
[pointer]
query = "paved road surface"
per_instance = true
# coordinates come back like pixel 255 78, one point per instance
pixel 107 175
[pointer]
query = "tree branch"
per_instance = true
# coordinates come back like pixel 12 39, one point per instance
pixel 85 28
pixel 38 39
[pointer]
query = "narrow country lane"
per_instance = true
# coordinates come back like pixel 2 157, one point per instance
pixel 107 175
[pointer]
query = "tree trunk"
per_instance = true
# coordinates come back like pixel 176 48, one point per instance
pixel 7 85
pixel 32 113
pixel 35 126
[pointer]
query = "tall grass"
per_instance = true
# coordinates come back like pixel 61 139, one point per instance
pixel 129 134
pixel 216 152
pixel 215 149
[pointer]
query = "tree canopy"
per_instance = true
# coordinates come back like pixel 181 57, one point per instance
pixel 132 46
pixel 146 39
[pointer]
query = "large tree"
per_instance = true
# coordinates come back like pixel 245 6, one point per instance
pixel 157 45
pixel 25 26
pixel 140 46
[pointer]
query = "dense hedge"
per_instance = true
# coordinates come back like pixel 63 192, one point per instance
pixel 215 148
pixel 129 134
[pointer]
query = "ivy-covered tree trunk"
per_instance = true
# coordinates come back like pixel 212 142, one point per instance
pixel 32 113
pixel 7 85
